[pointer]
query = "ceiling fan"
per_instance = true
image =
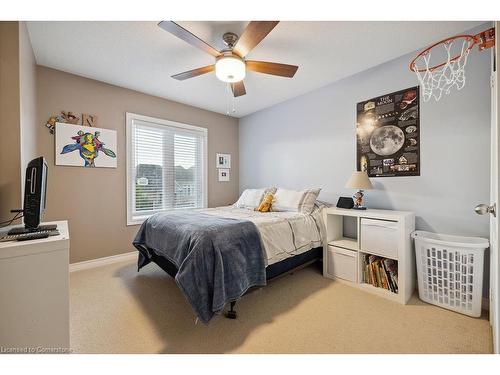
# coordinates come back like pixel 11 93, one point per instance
pixel 230 63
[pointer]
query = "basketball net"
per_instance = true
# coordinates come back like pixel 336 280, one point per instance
pixel 441 78
pixel 436 80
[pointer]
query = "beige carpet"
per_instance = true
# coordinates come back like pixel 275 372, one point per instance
pixel 114 309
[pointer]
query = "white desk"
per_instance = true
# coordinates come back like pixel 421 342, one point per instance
pixel 34 292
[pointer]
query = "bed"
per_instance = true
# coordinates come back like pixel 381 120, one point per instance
pixel 216 255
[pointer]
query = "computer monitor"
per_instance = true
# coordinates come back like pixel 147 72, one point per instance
pixel 35 188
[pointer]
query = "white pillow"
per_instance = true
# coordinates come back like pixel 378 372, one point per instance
pixel 296 201
pixel 250 198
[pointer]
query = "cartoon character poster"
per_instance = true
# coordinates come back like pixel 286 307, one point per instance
pixel 388 134
pixel 85 146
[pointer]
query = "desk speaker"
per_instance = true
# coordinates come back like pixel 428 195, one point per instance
pixel 345 202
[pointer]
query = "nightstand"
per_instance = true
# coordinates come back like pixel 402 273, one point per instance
pixel 371 250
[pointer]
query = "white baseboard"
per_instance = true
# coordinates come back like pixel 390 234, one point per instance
pixel 73 267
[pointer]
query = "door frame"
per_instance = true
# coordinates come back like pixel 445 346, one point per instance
pixel 494 221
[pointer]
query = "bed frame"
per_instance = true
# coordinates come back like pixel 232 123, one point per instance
pixel 273 271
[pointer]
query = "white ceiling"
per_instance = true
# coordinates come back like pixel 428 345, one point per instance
pixel 142 57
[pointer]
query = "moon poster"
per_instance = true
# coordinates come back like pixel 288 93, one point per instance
pixel 388 134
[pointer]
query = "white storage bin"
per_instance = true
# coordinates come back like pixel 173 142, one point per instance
pixel 342 263
pixel 379 237
pixel 450 271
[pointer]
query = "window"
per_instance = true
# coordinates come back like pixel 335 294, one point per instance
pixel 166 166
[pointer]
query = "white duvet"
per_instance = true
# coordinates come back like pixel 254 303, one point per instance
pixel 283 234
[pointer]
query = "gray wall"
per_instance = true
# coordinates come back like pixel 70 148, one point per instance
pixel 310 141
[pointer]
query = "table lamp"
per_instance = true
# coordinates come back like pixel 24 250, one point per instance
pixel 360 181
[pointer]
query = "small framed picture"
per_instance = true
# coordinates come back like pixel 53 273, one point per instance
pixel 223 175
pixel 223 161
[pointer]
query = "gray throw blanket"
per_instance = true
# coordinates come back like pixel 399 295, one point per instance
pixel 217 259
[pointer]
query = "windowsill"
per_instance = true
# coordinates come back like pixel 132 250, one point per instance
pixel 136 221
pixel 139 220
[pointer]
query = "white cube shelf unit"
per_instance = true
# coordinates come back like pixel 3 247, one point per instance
pixel 384 233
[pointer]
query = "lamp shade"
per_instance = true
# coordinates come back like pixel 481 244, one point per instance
pixel 230 69
pixel 359 180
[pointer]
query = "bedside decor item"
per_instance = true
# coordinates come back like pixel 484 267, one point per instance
pixel 223 175
pixel 223 160
pixel 94 147
pixel 360 181
pixel 345 202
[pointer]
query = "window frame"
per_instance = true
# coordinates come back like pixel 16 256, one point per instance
pixel 130 118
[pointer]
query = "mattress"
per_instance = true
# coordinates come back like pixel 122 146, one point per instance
pixel 283 234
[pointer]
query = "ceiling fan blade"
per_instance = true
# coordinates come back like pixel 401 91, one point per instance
pixel 283 70
pixel 194 73
pixel 252 35
pixel 188 37
pixel 238 89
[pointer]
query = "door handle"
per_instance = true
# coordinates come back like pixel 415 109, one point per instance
pixel 482 209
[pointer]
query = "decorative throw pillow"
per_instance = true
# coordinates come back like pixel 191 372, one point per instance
pixel 306 205
pixel 296 201
pixel 250 198
pixel 265 205
pixel 286 200
pixel 271 190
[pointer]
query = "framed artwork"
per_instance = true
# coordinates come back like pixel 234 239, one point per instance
pixel 223 175
pixel 223 160
pixel 388 134
pixel 83 146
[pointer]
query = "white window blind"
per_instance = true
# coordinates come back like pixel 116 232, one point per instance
pixel 166 164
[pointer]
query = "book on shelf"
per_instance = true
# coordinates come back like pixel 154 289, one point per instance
pixel 381 272
pixel 392 272
pixel 383 277
pixel 391 269
pixel 390 284
pixel 367 276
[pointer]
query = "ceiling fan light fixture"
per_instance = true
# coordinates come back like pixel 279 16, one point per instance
pixel 230 69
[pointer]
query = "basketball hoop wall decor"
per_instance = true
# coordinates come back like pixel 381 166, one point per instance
pixel 441 67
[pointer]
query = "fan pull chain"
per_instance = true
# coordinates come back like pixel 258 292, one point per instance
pixel 228 98
pixel 230 103
pixel 234 107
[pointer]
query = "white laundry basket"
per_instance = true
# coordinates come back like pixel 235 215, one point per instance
pixel 450 271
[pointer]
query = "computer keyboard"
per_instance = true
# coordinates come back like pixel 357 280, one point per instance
pixel 41 228
pixel 29 236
